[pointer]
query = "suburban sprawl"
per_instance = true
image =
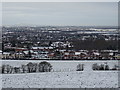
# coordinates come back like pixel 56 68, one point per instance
pixel 60 43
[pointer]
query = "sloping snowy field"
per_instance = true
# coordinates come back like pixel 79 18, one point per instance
pixel 62 80
pixel 64 76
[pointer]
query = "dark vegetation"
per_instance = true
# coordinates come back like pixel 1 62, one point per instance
pixel 98 44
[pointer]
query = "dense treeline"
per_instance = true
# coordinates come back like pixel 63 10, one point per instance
pixel 99 44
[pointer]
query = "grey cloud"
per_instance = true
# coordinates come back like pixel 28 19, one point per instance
pixel 60 13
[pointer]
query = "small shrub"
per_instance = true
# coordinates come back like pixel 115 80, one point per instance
pixel 17 69
pixel 101 67
pixel 107 67
pixel 115 67
pixel 80 67
pixel 95 66
pixel 24 68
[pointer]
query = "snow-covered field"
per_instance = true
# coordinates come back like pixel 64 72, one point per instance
pixel 64 76
pixel 0 77
pixel 62 80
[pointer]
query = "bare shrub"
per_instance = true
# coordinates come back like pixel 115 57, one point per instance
pixel 80 67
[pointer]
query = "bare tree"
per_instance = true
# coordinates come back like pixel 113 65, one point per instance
pixel 30 67
pixel 45 67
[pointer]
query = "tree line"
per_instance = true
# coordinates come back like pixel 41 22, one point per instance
pixel 29 68
pixel 104 66
pixel 47 67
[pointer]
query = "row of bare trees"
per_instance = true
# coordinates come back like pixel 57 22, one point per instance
pixel 47 67
pixel 104 66
pixel 29 68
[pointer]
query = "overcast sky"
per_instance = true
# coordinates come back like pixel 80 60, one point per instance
pixel 51 13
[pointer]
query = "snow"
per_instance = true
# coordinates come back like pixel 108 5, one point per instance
pixel 42 48
pixel 77 53
pixel 62 80
pixel 0 76
pixel 96 53
pixel 0 51
pixel 64 75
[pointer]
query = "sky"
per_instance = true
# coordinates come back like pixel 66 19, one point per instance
pixel 60 13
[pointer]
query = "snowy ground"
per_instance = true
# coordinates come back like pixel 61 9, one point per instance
pixel 0 77
pixel 64 76
pixel 62 80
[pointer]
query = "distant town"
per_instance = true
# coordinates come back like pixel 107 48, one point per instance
pixel 59 43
